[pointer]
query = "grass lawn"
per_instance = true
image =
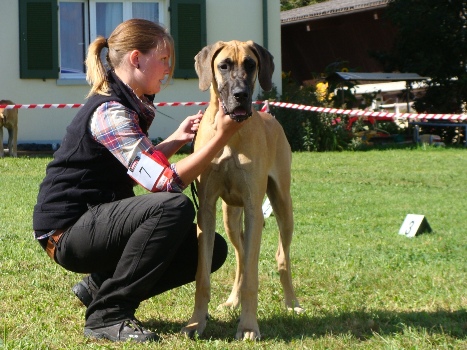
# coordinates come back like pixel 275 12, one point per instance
pixel 363 285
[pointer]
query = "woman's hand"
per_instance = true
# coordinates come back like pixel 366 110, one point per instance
pixel 189 127
pixel 185 133
pixel 191 166
pixel 225 124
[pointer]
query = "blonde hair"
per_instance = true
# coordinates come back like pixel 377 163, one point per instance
pixel 133 34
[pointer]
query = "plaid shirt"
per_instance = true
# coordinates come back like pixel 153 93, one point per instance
pixel 117 128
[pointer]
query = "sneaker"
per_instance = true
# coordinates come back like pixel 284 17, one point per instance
pixel 127 329
pixel 87 288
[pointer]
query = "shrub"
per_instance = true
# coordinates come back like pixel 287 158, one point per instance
pixel 308 131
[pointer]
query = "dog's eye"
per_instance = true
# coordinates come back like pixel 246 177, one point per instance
pixel 249 64
pixel 223 66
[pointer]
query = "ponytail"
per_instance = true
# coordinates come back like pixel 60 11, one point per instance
pixel 95 70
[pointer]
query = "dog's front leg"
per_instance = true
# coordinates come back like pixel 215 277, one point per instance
pixel 248 328
pixel 206 234
pixel 233 225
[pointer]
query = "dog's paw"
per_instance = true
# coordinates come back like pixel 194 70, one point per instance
pixel 252 335
pixel 228 305
pixel 189 332
pixel 194 328
pixel 248 329
pixel 294 306
pixel 297 309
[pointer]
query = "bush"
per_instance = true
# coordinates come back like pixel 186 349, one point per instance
pixel 308 131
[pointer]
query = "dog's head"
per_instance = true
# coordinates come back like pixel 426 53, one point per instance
pixel 232 67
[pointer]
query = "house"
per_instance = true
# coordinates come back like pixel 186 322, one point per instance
pixel 336 35
pixel 44 45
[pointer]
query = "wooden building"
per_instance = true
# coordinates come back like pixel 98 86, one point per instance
pixel 336 35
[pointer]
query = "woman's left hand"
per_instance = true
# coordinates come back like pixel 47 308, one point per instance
pixel 189 127
pixel 185 133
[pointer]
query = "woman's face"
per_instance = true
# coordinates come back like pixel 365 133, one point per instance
pixel 153 69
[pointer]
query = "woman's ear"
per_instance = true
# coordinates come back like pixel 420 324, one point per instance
pixel 134 58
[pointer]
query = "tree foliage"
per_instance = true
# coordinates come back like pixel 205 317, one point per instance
pixel 292 4
pixel 432 41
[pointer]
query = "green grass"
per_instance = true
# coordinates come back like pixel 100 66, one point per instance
pixel 363 285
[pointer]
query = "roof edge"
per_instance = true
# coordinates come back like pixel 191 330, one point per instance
pixel 335 12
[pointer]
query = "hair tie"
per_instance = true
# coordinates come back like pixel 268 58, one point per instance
pixel 106 44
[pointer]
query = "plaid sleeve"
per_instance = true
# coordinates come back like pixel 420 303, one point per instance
pixel 116 127
pixel 177 183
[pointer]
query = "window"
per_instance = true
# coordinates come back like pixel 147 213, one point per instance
pixel 188 28
pixel 54 34
pixel 72 38
pixel 104 16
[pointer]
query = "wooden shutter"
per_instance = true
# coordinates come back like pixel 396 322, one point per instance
pixel 38 25
pixel 188 28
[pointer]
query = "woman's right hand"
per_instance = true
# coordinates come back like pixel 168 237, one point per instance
pixel 191 166
pixel 225 124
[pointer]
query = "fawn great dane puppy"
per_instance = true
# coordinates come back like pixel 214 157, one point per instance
pixel 255 162
pixel 9 121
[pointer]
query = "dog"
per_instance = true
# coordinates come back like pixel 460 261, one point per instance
pixel 9 121
pixel 255 162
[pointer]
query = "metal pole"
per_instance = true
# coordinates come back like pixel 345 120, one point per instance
pixel 407 88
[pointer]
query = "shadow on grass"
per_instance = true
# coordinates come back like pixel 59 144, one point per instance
pixel 362 325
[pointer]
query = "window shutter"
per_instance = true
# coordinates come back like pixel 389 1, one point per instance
pixel 38 25
pixel 188 28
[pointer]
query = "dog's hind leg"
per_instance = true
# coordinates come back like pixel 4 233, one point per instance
pixel 12 142
pixel 281 201
pixel 233 225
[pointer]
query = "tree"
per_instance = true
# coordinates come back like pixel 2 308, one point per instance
pixel 432 41
pixel 292 4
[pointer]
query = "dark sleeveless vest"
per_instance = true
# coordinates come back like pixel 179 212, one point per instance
pixel 83 172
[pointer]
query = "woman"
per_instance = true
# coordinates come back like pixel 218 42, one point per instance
pixel 87 217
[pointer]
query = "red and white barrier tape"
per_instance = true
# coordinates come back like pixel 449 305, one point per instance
pixel 78 105
pixel 381 115
pixel 384 115
pixel 31 106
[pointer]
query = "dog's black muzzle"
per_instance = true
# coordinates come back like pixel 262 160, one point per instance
pixel 238 114
pixel 240 105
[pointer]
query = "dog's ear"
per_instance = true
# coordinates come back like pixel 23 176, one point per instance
pixel 203 64
pixel 266 65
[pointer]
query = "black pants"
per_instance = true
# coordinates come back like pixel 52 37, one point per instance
pixel 144 245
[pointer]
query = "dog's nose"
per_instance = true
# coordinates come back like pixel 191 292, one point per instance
pixel 240 94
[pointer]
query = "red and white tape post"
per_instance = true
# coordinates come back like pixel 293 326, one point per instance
pixel 267 104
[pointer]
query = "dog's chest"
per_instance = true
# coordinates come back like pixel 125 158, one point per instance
pixel 230 161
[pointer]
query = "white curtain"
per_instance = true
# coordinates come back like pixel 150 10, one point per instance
pixel 146 10
pixel 108 16
pixel 72 44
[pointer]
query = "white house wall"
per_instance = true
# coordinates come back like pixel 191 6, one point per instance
pixel 226 20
